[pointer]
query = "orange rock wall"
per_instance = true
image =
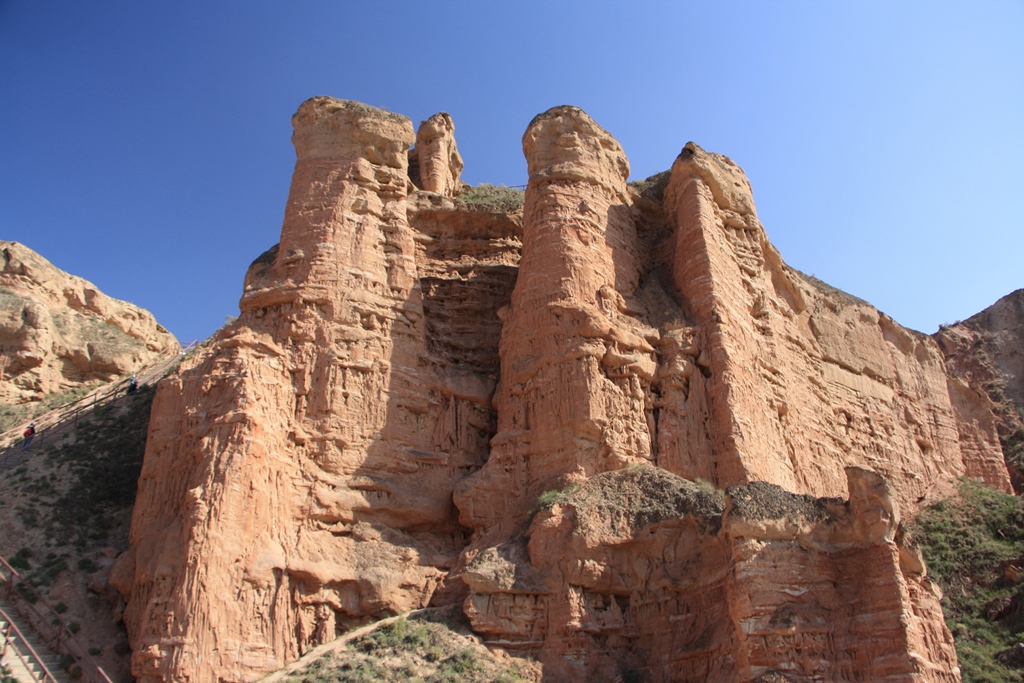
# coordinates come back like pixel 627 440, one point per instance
pixel 986 370
pixel 377 429
pixel 570 402
pixel 59 332
pixel 435 163
pixel 298 479
pixel 803 378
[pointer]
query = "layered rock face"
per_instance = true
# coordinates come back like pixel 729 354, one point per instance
pixel 530 413
pixel 575 364
pixel 639 573
pixel 59 332
pixel 984 356
pixel 713 361
pixel 801 377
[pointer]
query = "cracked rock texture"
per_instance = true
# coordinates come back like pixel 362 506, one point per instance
pixel 59 332
pixel 533 414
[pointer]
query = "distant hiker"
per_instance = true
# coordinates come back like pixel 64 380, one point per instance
pixel 30 432
pixel 133 386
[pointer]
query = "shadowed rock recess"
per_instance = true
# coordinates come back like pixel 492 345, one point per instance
pixel 532 414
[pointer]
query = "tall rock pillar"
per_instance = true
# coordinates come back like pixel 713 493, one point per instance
pixel 290 489
pixel 575 364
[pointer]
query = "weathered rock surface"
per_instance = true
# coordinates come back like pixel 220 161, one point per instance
pixel 59 332
pixel 576 361
pixel 641 573
pixel 803 379
pixel 406 411
pixel 435 163
pixel 298 479
pixel 985 354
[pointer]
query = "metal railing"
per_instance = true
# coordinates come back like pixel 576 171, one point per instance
pixel 55 419
pixel 48 623
pixel 40 614
pixel 30 655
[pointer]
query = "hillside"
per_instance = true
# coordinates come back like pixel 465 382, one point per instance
pixel 60 335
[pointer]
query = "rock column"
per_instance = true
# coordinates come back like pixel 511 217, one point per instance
pixel 576 367
pixel 289 489
pixel 435 164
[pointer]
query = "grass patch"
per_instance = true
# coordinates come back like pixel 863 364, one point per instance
pixel 104 459
pixel 410 650
pixel 972 547
pixel 495 198
pixel 12 415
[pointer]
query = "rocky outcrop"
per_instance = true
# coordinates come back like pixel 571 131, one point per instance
pixel 528 413
pixel 576 363
pixel 985 355
pixel 642 574
pixel 314 450
pixel 59 332
pixel 701 352
pixel 435 163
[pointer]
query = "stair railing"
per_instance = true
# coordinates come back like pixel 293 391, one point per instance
pixel 30 655
pixel 50 420
pixel 62 639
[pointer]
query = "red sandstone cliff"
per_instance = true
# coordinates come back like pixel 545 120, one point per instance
pixel 376 429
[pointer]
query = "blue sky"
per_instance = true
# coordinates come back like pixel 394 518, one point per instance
pixel 145 146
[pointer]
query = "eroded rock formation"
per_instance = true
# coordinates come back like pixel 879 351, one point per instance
pixel 641 573
pixel 314 450
pixel 59 332
pixel 406 411
pixel 435 163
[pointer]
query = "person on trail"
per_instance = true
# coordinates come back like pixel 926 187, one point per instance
pixel 133 386
pixel 30 432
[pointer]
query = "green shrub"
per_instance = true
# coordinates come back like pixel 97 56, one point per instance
pixel 967 544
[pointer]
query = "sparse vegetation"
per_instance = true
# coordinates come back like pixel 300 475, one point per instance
pixel 411 650
pixel 421 649
pixel 653 187
pixel 79 491
pixel 105 459
pixel 1013 448
pixel 974 549
pixel 497 198
pixel 549 498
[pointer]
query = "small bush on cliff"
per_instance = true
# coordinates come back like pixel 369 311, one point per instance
pixel 497 198
pixel 974 549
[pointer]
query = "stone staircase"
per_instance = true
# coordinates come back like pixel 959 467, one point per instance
pixel 26 656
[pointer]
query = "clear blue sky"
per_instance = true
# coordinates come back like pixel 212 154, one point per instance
pixel 145 145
